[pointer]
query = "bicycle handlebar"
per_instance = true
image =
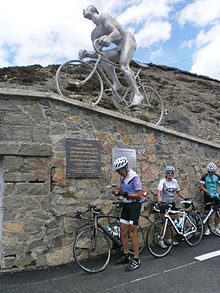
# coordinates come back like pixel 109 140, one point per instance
pixel 95 47
pixel 90 208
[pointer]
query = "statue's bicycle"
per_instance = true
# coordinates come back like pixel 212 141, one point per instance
pixel 88 82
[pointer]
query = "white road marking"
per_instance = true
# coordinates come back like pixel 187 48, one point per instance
pixel 149 276
pixel 198 258
pixel 208 255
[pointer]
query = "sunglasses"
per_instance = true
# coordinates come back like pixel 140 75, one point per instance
pixel 170 173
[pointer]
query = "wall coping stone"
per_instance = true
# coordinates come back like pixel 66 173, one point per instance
pixel 5 92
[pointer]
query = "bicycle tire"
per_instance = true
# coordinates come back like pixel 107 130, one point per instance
pixel 152 102
pixel 92 259
pixel 211 222
pixel 154 236
pixel 141 241
pixel 72 81
pixel 194 238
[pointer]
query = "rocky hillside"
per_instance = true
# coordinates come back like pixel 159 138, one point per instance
pixel 192 102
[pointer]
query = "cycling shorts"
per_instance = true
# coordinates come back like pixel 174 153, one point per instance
pixel 208 199
pixel 130 213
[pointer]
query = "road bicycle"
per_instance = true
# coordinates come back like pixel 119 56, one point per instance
pixel 212 218
pixel 162 230
pixel 88 82
pixel 93 245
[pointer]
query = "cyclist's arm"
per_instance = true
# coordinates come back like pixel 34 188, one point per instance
pixel 158 195
pixel 202 187
pixel 136 195
pixel 180 194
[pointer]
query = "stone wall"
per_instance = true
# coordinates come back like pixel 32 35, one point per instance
pixel 39 202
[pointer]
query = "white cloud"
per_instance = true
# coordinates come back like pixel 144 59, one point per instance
pixel 51 31
pixel 200 12
pixel 187 44
pixel 206 58
pixel 156 54
pixel 204 14
pixel 152 33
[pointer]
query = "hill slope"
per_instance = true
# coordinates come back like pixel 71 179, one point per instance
pixel 192 102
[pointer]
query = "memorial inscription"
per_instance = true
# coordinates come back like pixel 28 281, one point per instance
pixel 83 158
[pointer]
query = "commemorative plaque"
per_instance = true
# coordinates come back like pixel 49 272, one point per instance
pixel 83 158
pixel 130 154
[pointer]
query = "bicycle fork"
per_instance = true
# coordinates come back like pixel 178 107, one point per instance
pixel 164 229
pixel 206 216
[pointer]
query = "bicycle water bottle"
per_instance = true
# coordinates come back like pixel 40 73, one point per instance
pixel 116 231
pixel 180 222
pixel 108 229
pixel 176 223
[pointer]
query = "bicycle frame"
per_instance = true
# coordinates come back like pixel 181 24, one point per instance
pixel 98 67
pixel 97 225
pixel 213 209
pixel 168 219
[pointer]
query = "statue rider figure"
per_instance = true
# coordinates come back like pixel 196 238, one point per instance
pixel 108 31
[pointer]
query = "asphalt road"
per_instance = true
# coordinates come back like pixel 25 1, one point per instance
pixel 178 272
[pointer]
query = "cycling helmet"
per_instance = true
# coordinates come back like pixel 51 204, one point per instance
pixel 211 167
pixel 120 163
pixel 169 169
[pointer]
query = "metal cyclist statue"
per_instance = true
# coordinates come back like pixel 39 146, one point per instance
pixel 108 31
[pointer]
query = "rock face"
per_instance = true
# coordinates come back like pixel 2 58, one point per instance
pixel 191 102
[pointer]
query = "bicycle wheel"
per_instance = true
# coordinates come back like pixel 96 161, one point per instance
pixel 152 103
pixel 74 79
pixel 92 250
pixel 156 235
pixel 214 222
pixel 193 226
pixel 140 240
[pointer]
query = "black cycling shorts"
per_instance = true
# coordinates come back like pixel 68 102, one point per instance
pixel 130 213
pixel 208 199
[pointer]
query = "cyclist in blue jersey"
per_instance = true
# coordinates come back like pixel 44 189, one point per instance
pixel 131 190
pixel 210 185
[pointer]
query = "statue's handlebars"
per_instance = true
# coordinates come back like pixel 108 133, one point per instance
pixel 95 47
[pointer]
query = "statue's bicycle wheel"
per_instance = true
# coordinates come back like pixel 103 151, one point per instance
pixel 152 104
pixel 79 80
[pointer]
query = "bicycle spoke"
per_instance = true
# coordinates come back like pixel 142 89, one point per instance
pixel 193 229
pixel 92 250
pixel 214 222
pixel 159 238
pixel 74 79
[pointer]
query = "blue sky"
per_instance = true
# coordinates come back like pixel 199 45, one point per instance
pixel 180 33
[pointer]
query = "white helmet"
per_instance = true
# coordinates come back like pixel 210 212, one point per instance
pixel 169 169
pixel 211 167
pixel 120 163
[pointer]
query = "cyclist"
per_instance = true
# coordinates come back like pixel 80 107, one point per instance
pixel 131 190
pixel 108 31
pixel 166 190
pixel 210 185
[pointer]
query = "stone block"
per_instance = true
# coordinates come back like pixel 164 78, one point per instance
pixel 21 133
pixel 5 132
pixel 58 257
pixel 35 149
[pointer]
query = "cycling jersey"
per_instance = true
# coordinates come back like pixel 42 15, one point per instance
pixel 130 184
pixel 211 182
pixel 168 189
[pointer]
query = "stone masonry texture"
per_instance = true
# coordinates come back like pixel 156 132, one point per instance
pixel 39 202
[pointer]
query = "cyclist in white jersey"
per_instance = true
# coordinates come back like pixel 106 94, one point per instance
pixel 167 188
